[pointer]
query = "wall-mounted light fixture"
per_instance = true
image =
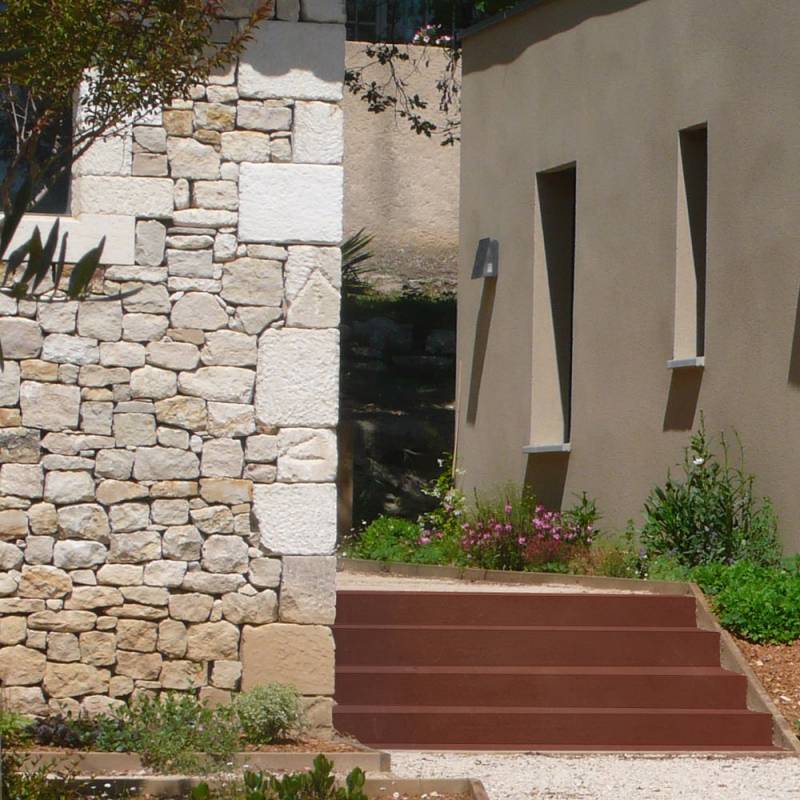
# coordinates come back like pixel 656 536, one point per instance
pixel 486 259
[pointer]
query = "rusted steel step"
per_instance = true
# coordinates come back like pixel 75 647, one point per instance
pixel 567 687
pixel 496 608
pixel 471 727
pixel 432 645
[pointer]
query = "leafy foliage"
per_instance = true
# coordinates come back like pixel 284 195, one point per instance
pixel 354 256
pixel 269 713
pixel 713 514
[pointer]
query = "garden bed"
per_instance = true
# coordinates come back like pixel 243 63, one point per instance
pixel 778 668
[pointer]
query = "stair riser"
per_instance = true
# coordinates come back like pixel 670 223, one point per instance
pixel 502 647
pixel 542 691
pixel 474 730
pixel 586 610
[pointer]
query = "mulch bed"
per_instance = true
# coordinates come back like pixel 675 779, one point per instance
pixel 778 669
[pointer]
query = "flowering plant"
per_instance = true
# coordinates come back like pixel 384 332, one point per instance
pixel 432 34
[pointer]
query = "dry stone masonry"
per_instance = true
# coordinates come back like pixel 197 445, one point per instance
pixel 168 448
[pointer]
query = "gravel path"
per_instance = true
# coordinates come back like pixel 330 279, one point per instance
pixel 559 777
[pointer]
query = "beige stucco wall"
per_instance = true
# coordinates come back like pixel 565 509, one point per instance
pixel 399 186
pixel 609 85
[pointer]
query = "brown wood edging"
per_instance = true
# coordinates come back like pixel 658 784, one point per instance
pixel 731 657
pixel 94 763
pixel 179 786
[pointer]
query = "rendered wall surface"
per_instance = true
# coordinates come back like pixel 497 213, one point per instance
pixel 609 86
pixel 167 460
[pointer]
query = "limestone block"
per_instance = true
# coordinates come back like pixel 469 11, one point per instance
pixel 165 573
pixel 19 445
pixel 62 621
pixel 205 218
pixel 149 595
pixel 189 158
pixel 24 700
pixel 184 412
pixel 83 521
pixel 57 317
pixel 33 369
pixel 165 463
pixel 178 122
pixel 63 348
pixel 13 630
pixel 225 246
pixel 213 519
pixel 173 355
pixel 170 437
pixel 143 327
pixel 296 519
pixel 212 641
pixel 288 59
pixel 146 298
pixel 150 138
pixel 13 524
pixel 63 647
pixel 150 237
pixel 221 384
pixel 323 11
pixel 262 449
pixel 192 607
pixel 98 649
pixel 249 146
pixel 217 194
pixel 318 716
pixel 99 319
pixel 22 480
pixel 214 116
pixel 225 490
pixel 225 554
pixel 107 156
pixel 183 543
pixel 137 634
pixel 84 577
pixel 229 348
pixel 135 548
pixel 121 574
pixel 142 666
pixel 300 655
pixel 63 488
pixel 222 458
pixel 21 666
pixel 174 489
pixel 72 554
pixel 88 598
pixel 153 383
pixel 21 338
pixel 140 197
pixel 316 305
pixel 110 492
pixel 9 384
pixel 318 133
pixel 290 203
pixel 308 590
pixel 74 680
pixel 172 638
pixel 298 378
pixel 257 609
pixel 307 455
pixel 258 117
pixel 170 512
pixel 44 581
pixel 128 517
pixel 199 310
pixel 136 273
pixel 49 406
pixel 253 282
pixel 265 573
pixel 211 583
pixel 136 430
pixel 137 611
pixel 231 419
pixel 120 685
pixel 115 464
pixel 39 550
pixel 226 674
pixel 96 417
pixel 150 164
pixel 260 473
pixel 121 354
pixel 183 675
pixel 100 705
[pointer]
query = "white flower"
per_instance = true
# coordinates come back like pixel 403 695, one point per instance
pixel 698 460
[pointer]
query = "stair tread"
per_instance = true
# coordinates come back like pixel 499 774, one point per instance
pixel 533 628
pixel 667 598
pixel 533 670
pixel 516 710
pixel 581 748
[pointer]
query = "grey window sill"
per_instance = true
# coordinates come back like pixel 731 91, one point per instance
pixel 535 449
pixel 697 362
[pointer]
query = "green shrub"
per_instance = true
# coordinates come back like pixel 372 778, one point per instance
pixel 760 604
pixel 268 713
pixel 712 514
pixel 14 729
pixel 173 732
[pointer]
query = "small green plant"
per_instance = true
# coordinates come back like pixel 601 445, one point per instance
pixel 269 713
pixel 355 254
pixel 14 729
pixel 317 784
pixel 712 514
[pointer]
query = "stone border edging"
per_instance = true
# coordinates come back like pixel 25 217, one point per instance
pixel 731 657
pixel 97 763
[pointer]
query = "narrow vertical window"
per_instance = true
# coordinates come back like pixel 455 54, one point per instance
pixel 691 248
pixel 554 288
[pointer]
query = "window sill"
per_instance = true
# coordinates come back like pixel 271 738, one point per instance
pixel 696 362
pixel 537 449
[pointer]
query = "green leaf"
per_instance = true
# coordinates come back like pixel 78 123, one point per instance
pixel 84 270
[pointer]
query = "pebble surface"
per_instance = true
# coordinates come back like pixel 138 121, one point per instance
pixel 610 777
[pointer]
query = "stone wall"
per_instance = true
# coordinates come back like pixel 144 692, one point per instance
pixel 168 457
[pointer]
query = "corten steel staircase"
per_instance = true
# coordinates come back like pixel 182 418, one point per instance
pixel 441 670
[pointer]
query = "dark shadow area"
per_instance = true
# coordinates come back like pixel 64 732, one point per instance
pixel 548 18
pixel 694 155
pixel 684 391
pixel 557 207
pixel 546 474
pixel 482 327
pixel 794 359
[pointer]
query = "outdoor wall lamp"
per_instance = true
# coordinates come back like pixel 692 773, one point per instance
pixel 486 259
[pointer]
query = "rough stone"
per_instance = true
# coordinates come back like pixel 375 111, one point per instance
pixel 249 146
pixel 225 554
pixel 146 298
pixel 216 194
pixel 27 700
pixel 21 338
pixel 96 417
pixel 44 581
pixel 57 317
pixel 307 455
pixel 213 519
pixel 265 573
pixel 121 354
pixel 226 490
pixel 253 282
pixel 211 641
pixel 184 412
pixel 231 419
pixel 183 675
pixel 262 449
pixel 226 674
pixel 165 573
pixel 173 355
pixel 318 133
pixel 49 406
pixel 62 621
pixel 128 517
pixel 21 666
pixel 71 554
pixel 13 630
pixel 229 348
pixel 110 492
pixel 120 574
pixel 183 543
pixel 137 634
pixel 9 384
pixel 165 463
pixel 308 590
pixel 135 548
pixel 189 158
pixel 191 607
pixel 143 327
pixel 170 512
pixel 19 445
pixel 63 647
pixel 74 680
pixel 22 480
pixel 150 237
pixel 100 319
pixel 153 383
pixel 198 310
pixel 66 349
pixel 114 464
pixel 172 638
pixel 39 550
pixel 211 583
pixel 257 609
pixel 170 437
pixel 62 488
pixel 316 305
pixel 136 430
pixel 222 458
pixel 178 122
pixel 258 117
pixel 141 666
pixel 221 384
pixel 83 521
pixel 299 655
pixel 13 524
pixel 97 648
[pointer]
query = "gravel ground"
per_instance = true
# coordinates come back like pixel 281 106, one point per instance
pixel 559 777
